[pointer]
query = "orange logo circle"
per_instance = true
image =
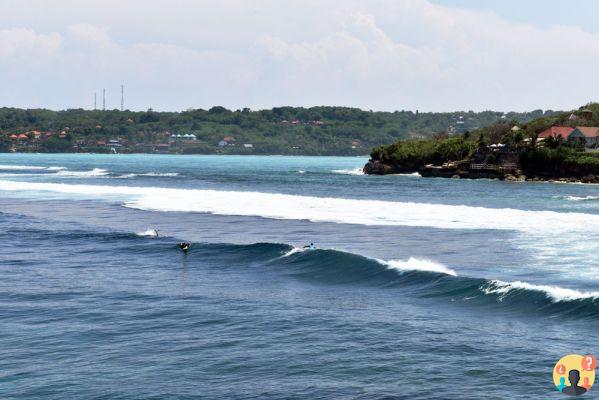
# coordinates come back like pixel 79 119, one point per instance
pixel 574 374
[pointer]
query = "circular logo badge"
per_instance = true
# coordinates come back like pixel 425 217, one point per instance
pixel 574 374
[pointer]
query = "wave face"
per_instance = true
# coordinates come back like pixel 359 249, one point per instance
pixel 414 277
pixel 427 278
pixel 321 209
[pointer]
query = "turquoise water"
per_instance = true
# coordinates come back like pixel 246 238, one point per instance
pixel 420 288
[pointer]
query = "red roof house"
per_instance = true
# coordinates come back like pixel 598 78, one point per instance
pixel 588 134
pixel 556 131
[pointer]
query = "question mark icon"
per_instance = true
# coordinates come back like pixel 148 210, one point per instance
pixel 561 369
pixel 589 362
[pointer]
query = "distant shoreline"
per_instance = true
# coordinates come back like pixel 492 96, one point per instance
pixel 195 154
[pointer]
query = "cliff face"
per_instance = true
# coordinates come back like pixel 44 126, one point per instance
pixel 466 170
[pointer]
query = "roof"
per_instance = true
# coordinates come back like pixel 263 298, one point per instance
pixel 557 131
pixel 588 131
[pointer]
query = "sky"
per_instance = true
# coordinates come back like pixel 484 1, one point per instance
pixel 426 55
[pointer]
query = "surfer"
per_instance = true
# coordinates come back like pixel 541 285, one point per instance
pixel 184 246
pixel 310 246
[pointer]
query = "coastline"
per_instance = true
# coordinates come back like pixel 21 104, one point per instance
pixel 464 170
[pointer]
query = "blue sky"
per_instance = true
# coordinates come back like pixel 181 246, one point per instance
pixel 430 55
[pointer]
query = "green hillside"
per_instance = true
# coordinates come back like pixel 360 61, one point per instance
pixel 492 147
pixel 281 130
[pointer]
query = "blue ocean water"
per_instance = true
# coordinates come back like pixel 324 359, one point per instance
pixel 419 289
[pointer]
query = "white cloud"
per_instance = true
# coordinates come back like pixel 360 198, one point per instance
pixel 25 45
pixel 384 54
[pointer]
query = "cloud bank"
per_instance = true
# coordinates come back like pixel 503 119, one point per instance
pixel 381 54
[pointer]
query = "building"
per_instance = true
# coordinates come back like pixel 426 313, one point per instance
pixel 226 141
pixel 188 137
pixel 555 132
pixel 248 145
pixel 114 143
pixel 586 113
pixel 588 134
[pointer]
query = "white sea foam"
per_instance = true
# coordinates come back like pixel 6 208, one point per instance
pixel 56 168
pixel 301 171
pixel 412 175
pixel 321 209
pixel 354 171
pixel 417 264
pixel 149 174
pixel 21 167
pixel 148 232
pixel 581 198
pixel 555 293
pixel 83 174
pixel 18 175
pixel 295 250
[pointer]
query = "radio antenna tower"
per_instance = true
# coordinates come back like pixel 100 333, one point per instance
pixel 95 101
pixel 103 99
pixel 122 97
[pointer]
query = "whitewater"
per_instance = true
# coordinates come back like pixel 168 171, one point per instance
pixel 324 209
pixel 410 274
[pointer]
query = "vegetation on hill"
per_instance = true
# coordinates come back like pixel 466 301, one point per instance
pixel 552 158
pixel 281 130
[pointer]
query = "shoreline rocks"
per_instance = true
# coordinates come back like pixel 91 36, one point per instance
pixel 376 167
pixel 461 171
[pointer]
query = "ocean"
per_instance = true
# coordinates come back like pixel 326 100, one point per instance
pixel 419 288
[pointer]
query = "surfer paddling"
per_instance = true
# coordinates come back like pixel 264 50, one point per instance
pixel 184 246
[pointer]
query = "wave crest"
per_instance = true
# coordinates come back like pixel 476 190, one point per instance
pixel 354 171
pixel 555 293
pixel 91 173
pixel 417 264
pixel 325 209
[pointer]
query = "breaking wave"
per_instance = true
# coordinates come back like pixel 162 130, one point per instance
pixel 413 277
pixel 21 167
pixel 416 264
pixel 149 233
pixel 30 168
pixel 149 174
pixel 556 293
pixel 581 198
pixel 91 173
pixel 325 209
pixel 355 171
